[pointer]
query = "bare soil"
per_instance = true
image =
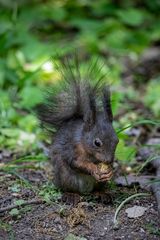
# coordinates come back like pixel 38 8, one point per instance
pixel 89 219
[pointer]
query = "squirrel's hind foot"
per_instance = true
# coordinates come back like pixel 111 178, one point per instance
pixel 103 198
pixel 71 198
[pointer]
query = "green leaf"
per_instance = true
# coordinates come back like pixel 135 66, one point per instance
pixel 87 24
pixel 58 13
pixel 28 123
pixel 117 39
pixel 9 132
pixel 30 96
pixel 49 192
pixel 152 98
pixel 15 188
pixel 14 212
pixel 74 237
pixel 125 153
pixel 133 17
pixel 19 202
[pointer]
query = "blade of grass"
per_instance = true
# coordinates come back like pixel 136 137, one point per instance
pixel 30 158
pixel 147 121
pixel 150 159
pixel 115 221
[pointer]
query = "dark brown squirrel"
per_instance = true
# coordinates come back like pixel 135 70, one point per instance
pixel 81 112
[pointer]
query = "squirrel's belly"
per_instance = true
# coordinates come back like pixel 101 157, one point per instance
pixel 79 183
pixel 70 180
pixel 86 183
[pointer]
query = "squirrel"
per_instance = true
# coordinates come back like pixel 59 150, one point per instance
pixel 80 110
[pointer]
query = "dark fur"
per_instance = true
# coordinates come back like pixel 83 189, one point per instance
pixel 80 117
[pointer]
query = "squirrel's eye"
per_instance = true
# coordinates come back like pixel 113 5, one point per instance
pixel 98 142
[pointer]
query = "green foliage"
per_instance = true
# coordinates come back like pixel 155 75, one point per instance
pixel 131 16
pixel 15 188
pixel 19 202
pixel 152 98
pixel 49 193
pixel 14 212
pixel 8 228
pixel 125 153
pixel 152 229
pixel 30 97
pixel 71 236
pixel 16 139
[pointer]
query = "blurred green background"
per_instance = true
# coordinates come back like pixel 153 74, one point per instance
pixel 118 32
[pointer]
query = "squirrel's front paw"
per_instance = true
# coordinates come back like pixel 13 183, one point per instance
pixel 102 174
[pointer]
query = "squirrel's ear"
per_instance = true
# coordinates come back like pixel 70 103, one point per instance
pixel 89 120
pixel 89 113
pixel 107 104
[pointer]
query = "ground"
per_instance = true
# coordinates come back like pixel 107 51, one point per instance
pixel 55 220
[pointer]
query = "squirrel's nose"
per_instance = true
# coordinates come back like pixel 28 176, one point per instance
pixel 109 159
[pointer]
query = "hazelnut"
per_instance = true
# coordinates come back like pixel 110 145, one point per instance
pixel 103 166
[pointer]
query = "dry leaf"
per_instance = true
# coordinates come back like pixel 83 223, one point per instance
pixel 135 211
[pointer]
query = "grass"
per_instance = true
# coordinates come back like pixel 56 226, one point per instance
pixel 152 229
pixel 8 228
pixel 49 193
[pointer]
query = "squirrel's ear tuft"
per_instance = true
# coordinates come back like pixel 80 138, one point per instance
pixel 89 120
pixel 89 112
pixel 107 104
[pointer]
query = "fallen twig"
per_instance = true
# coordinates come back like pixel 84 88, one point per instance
pixel 5 200
pixel 29 202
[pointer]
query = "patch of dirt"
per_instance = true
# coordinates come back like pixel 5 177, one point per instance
pixel 89 219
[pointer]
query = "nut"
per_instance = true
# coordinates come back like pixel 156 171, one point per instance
pixel 103 167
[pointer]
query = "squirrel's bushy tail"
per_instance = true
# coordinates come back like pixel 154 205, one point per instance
pixel 76 95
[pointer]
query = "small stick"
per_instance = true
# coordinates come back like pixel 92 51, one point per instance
pixel 29 202
pixel 5 200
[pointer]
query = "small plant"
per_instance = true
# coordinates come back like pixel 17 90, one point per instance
pixel 153 229
pixel 8 228
pixel 49 193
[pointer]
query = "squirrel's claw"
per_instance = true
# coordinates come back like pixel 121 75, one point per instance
pixel 106 177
